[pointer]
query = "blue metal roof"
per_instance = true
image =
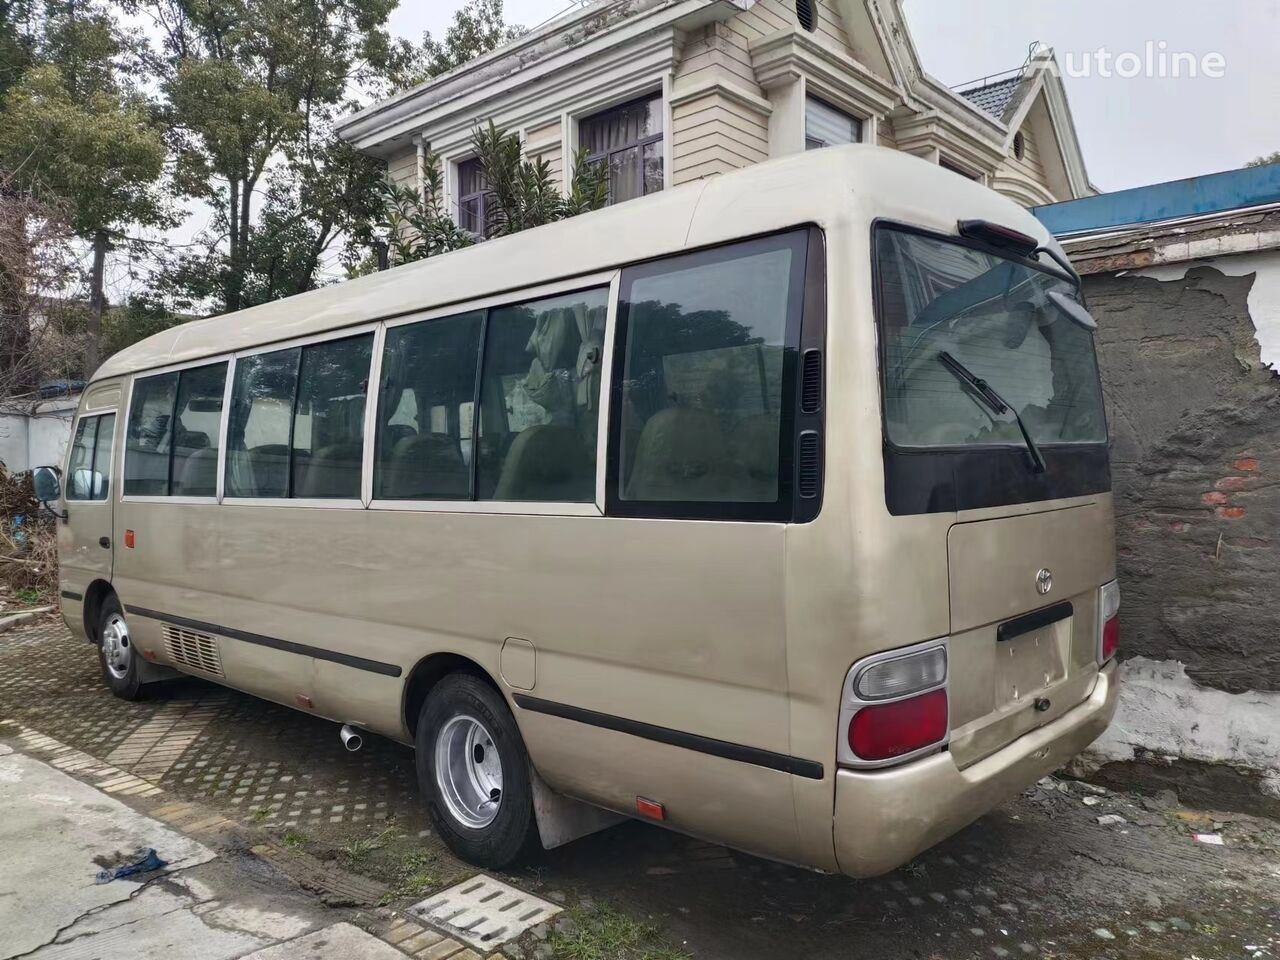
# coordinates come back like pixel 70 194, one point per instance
pixel 1215 193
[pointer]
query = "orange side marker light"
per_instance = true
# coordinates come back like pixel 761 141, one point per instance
pixel 650 809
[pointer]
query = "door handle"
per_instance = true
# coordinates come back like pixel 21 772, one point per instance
pixel 104 542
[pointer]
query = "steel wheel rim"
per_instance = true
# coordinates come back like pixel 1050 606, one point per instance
pixel 468 772
pixel 117 650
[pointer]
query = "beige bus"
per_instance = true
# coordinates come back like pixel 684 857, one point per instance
pixel 773 508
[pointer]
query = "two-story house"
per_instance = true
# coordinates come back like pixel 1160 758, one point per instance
pixel 667 91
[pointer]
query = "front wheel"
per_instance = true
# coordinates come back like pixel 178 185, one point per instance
pixel 115 652
pixel 474 772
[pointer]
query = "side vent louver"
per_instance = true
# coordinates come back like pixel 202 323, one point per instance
pixel 198 651
pixel 805 14
pixel 810 464
pixel 811 382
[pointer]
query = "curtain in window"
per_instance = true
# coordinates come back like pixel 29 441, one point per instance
pixel 622 126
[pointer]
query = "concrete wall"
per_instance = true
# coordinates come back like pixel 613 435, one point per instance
pixel 36 437
pixel 1194 413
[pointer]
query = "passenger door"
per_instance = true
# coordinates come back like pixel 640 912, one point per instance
pixel 84 537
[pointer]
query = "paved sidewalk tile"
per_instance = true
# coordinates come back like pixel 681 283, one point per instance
pixel 341 941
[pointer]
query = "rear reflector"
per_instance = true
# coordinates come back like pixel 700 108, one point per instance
pixel 887 730
pixel 650 809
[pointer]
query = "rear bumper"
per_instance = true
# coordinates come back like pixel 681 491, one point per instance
pixel 884 818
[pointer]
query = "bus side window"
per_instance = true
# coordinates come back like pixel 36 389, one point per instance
pixel 194 472
pixel 701 393
pixel 258 432
pixel 89 467
pixel 149 440
pixel 424 417
pixel 328 421
pixel 297 421
pixel 539 399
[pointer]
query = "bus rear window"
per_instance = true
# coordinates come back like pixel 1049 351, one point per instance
pixel 995 317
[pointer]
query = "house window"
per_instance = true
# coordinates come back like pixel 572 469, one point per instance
pixel 473 197
pixel 956 168
pixel 628 140
pixel 825 126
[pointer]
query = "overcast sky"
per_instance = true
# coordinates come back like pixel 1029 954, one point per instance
pixel 1133 131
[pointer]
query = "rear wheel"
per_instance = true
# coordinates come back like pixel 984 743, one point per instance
pixel 474 772
pixel 115 651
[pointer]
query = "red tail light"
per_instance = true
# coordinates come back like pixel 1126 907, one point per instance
pixel 888 730
pixel 1110 638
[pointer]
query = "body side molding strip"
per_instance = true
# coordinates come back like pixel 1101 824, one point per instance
pixel 319 653
pixel 809 769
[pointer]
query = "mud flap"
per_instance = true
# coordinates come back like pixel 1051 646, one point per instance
pixel 149 672
pixel 562 819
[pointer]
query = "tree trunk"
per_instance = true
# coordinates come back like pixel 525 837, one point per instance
pixel 242 270
pixel 235 279
pixel 97 302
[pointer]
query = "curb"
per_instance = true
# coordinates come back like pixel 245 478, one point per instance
pixel 24 616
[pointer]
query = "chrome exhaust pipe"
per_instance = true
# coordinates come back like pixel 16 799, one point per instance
pixel 351 738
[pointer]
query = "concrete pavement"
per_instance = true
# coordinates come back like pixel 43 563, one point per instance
pixel 57 833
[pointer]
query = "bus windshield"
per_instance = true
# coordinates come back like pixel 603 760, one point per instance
pixel 944 302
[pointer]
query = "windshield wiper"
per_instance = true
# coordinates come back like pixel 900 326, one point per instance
pixel 982 392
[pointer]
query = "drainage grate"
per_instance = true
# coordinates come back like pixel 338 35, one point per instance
pixel 484 912
pixel 198 651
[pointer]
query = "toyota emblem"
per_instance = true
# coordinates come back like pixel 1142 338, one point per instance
pixel 1044 580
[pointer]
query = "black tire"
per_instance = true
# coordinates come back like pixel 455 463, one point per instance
pixel 124 683
pixel 513 830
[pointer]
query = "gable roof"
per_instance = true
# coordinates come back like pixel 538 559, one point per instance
pixel 994 98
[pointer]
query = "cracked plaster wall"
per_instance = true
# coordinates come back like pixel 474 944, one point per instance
pixel 1194 413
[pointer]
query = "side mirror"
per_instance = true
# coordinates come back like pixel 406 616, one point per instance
pixel 47 485
pixel 48 488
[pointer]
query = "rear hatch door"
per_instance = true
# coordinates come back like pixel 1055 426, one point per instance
pixel 1023 596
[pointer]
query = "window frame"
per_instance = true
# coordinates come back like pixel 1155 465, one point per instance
pixel 948 163
pixel 229 360
pixel 610 280
pixel 342 333
pixel 830 105
pixel 482 196
pixel 93 461
pixel 640 144
pixel 805 330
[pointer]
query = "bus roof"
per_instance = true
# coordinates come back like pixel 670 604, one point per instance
pixel 823 187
